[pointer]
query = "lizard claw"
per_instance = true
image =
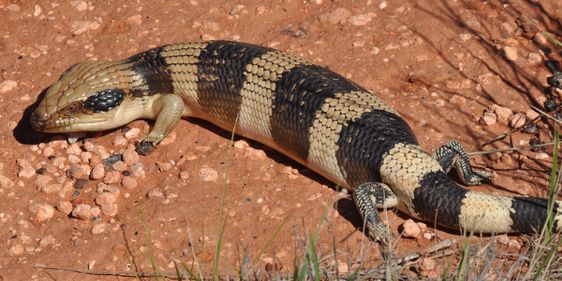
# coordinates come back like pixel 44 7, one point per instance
pixel 145 147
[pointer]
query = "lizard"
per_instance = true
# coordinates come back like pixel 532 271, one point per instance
pixel 311 114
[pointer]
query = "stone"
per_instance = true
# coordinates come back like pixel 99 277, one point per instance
pixel 64 207
pixel 6 183
pixel 339 15
pixel 208 174
pixel 129 182
pixel 119 166
pixel 43 212
pixel 510 53
pixel 98 172
pixel 360 20
pixel 503 113
pixel 112 177
pixel 517 120
pixel 488 118
pixel 7 86
pixel 99 228
pixel 76 172
pixel 410 229
pixel 132 133
pixel 531 114
pixel 82 211
pixel 79 27
pixel 105 198
pixel 130 156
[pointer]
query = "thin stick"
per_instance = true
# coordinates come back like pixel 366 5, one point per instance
pixel 546 114
pixel 109 273
pixel 515 148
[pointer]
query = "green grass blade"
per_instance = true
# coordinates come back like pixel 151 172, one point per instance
pixel 552 189
pixel 222 216
pixel 268 243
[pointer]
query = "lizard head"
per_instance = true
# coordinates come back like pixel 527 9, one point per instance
pixel 89 96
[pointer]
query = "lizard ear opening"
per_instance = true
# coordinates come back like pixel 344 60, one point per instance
pixel 104 101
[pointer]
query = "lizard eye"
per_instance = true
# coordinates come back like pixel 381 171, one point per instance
pixel 72 108
pixel 104 101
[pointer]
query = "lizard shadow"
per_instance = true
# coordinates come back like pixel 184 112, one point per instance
pixel 345 206
pixel 23 132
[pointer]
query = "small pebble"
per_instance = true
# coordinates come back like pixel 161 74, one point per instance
pixel 46 241
pixel 109 161
pixel 43 180
pixel 76 172
pixel 132 133
pixel 428 235
pixel 502 239
pixel 64 207
pixel 410 229
pixel 82 211
pixel 129 183
pixel 74 159
pixel 43 212
pixel 540 39
pixel 208 174
pixel 102 187
pixel 120 141
pixel 80 183
pixel 112 177
pixel 26 172
pixel 514 244
pixel 138 170
pixel 51 188
pixel 535 58
pixel 98 172
pixel 119 166
pixel 164 166
pixel 99 228
pixel 7 86
pixel 155 193
pixel 110 210
pixel 48 151
pixel 203 148
pixel 91 264
pixel 6 183
pixel 507 29
pixel 79 5
pixel 241 144
pixel 503 113
pixel 106 198
pixel 96 212
pixel 339 15
pixel 74 149
pixel 86 156
pixel 510 53
pixel 130 156
pixel 79 27
pixel 531 114
pixel 16 250
pixel 184 175
pixel 517 120
pixel 489 118
pixel 360 20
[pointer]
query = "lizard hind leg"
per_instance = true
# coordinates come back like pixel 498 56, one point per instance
pixel 368 197
pixel 452 154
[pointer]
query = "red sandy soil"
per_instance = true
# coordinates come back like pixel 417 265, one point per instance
pixel 441 64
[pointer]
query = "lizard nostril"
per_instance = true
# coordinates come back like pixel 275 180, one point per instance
pixel 38 121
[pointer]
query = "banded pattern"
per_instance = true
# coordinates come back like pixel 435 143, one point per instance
pixel 317 117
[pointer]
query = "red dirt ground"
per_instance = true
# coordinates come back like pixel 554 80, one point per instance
pixel 439 63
